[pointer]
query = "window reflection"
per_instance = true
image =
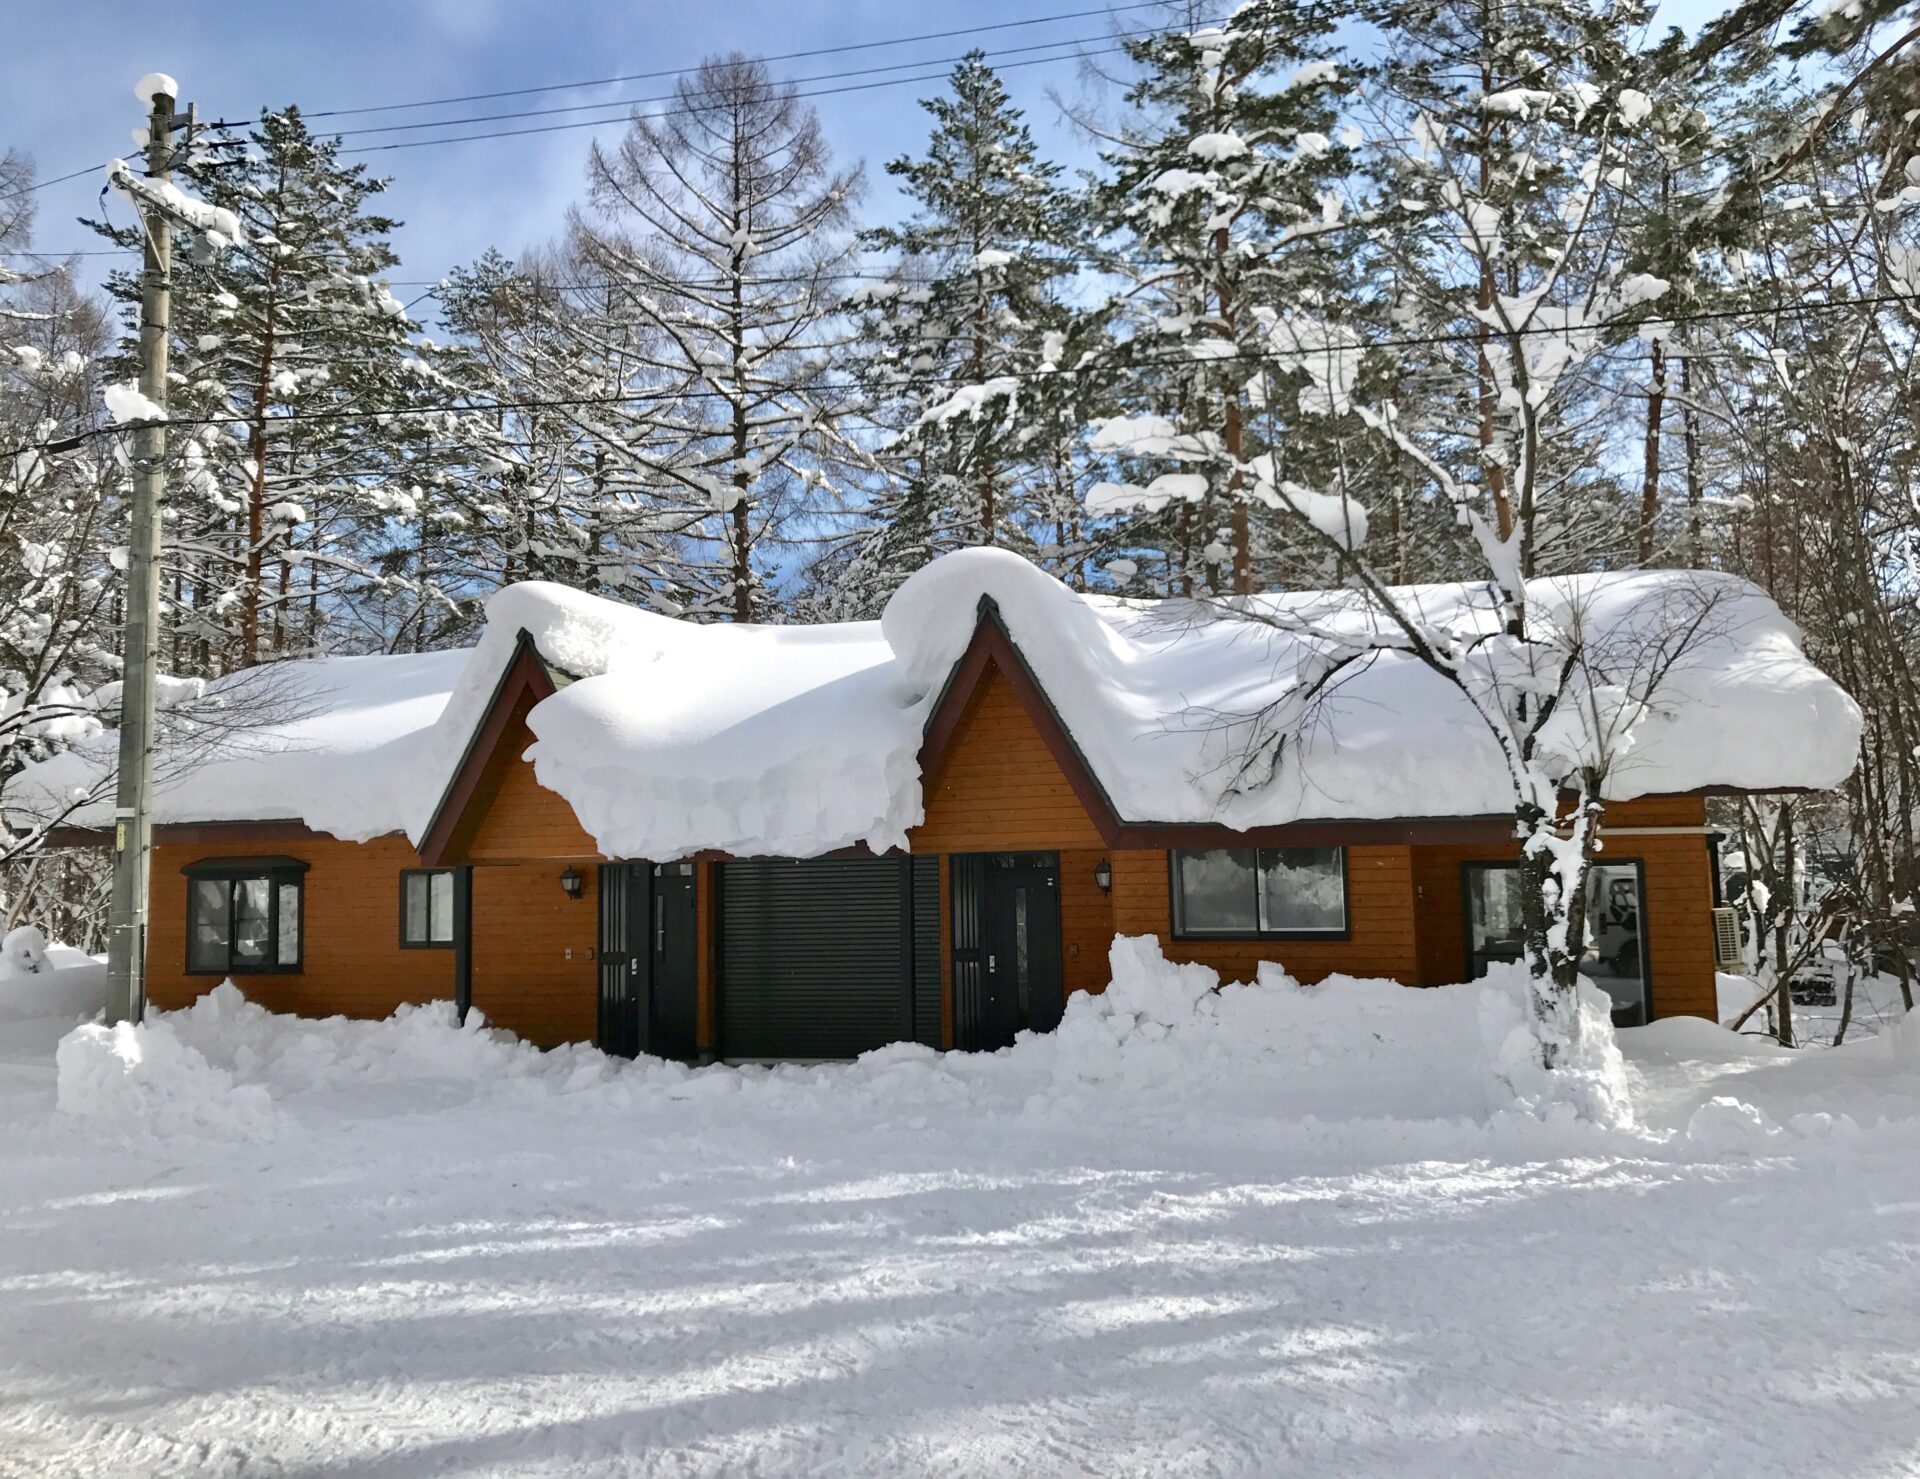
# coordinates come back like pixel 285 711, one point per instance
pixel 1615 955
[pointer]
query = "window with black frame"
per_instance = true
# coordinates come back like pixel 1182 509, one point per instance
pixel 244 915
pixel 1266 892
pixel 1615 958
pixel 426 909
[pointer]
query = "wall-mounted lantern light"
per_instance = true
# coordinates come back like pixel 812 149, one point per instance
pixel 571 883
pixel 1103 875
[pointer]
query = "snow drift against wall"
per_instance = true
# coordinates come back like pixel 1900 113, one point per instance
pixel 675 737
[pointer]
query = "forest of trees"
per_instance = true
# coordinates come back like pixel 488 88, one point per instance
pixel 1449 278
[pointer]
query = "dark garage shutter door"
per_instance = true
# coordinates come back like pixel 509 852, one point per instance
pixel 816 957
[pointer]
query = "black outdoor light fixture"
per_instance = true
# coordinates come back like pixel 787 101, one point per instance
pixel 570 882
pixel 1103 875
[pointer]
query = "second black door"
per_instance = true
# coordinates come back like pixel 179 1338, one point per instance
pixel 648 970
pixel 1019 951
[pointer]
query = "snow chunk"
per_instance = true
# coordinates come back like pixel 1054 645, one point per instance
pixel 125 402
pixel 1725 1126
pixel 1635 106
pixel 155 84
pixel 1170 487
pixel 1214 147
pixel 676 737
pixel 1178 182
pixel 334 742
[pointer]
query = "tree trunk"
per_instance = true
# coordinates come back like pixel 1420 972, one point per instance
pixel 1690 440
pixel 1650 456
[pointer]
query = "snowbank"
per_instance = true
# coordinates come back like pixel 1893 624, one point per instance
pixel 1163 1043
pixel 1390 1051
pixel 42 980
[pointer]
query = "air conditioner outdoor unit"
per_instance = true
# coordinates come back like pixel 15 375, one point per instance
pixel 1727 955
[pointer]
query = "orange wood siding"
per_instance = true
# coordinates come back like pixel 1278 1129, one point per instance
pixel 1086 922
pixel 1379 911
pixel 1679 886
pixel 1000 790
pixel 352 960
pixel 524 927
pixel 521 819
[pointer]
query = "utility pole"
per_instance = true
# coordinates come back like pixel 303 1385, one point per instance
pixel 139 650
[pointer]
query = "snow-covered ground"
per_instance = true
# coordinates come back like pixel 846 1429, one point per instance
pixel 1262 1231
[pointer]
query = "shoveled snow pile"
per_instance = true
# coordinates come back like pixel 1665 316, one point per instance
pixel 1590 1078
pixel 1162 1033
pixel 139 1081
pixel 42 980
pixel 1443 1052
pixel 169 1073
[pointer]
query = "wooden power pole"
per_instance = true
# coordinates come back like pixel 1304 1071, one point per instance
pixel 139 651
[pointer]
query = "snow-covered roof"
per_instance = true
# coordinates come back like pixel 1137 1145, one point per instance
pixel 332 742
pixel 676 737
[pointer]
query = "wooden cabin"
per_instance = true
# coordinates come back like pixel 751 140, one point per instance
pixel 1001 899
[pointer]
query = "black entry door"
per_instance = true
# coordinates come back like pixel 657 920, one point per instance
pixel 648 971
pixel 1017 959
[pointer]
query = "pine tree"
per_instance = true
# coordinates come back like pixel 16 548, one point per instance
pixel 953 344
pixel 1214 202
pixel 286 511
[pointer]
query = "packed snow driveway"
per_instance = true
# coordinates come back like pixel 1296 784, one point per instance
pixel 1263 1231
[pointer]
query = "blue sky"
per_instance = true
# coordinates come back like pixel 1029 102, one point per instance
pixel 68 73
pixel 69 77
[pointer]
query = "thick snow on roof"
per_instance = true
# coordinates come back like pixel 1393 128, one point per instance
pixel 675 737
pixel 334 742
pixel 1161 697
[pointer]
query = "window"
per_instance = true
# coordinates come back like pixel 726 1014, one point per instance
pixel 426 909
pixel 1615 959
pixel 1245 891
pixel 243 915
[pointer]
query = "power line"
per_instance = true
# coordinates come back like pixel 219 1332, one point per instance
pixel 56 180
pixel 1257 357
pixel 819 92
pixel 786 56
pixel 668 97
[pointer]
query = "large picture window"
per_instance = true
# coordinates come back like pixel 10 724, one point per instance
pixel 426 909
pixel 1615 958
pixel 1283 892
pixel 244 915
